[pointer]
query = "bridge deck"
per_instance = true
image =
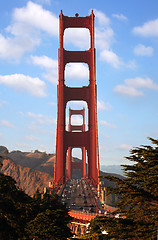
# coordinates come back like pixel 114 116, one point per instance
pixel 82 216
pixel 78 195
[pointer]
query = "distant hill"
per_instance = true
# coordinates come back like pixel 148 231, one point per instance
pixel 35 160
pixel 27 179
pixel 31 170
pixel 112 169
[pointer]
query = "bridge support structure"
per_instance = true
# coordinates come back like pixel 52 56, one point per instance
pixel 80 128
pixel 87 139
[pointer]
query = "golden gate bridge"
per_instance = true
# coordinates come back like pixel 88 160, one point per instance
pixel 80 195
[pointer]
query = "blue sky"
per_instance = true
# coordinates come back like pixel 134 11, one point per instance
pixel 126 41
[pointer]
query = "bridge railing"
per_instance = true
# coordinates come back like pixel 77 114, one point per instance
pixel 61 188
pixel 86 216
pixel 94 192
pixel 83 213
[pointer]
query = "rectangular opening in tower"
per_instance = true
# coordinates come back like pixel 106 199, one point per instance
pixel 77 119
pixel 76 39
pixel 76 74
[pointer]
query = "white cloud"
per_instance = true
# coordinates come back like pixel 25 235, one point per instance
pixel 76 120
pixel 77 71
pixel 120 17
pixel 22 83
pixel 77 104
pixel 141 50
pixel 45 62
pixel 50 65
pixel 104 37
pixel 23 34
pixel 128 90
pixel 111 58
pixel 139 82
pixel 35 16
pixel 114 60
pixel 102 19
pixel 73 71
pixel 131 85
pixel 148 29
pixel 15 47
pixel 105 123
pixel 102 106
pixel 6 123
pixel 41 119
pixel 51 76
pixel 79 37
pixel 104 34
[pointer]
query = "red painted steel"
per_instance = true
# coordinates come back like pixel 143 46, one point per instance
pixel 89 138
pixel 82 216
pixel 72 128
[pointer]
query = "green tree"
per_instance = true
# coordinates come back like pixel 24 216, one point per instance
pixel 51 220
pixel 138 197
pixel 111 228
pixel 23 217
pixel 13 210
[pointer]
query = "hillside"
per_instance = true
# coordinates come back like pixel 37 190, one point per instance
pixel 27 179
pixel 31 170
pixel 35 160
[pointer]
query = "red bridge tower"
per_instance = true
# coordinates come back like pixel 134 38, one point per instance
pixel 68 139
pixel 72 128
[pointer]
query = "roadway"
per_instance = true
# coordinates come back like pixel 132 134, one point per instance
pixel 78 195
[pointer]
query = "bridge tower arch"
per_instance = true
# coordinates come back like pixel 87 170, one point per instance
pixel 87 139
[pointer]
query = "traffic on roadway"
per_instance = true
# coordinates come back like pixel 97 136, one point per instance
pixel 78 195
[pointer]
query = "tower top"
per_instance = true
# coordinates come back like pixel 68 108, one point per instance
pixel 77 14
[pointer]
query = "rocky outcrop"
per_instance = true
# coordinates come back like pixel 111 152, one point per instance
pixel 32 160
pixel 27 179
pixel 29 170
